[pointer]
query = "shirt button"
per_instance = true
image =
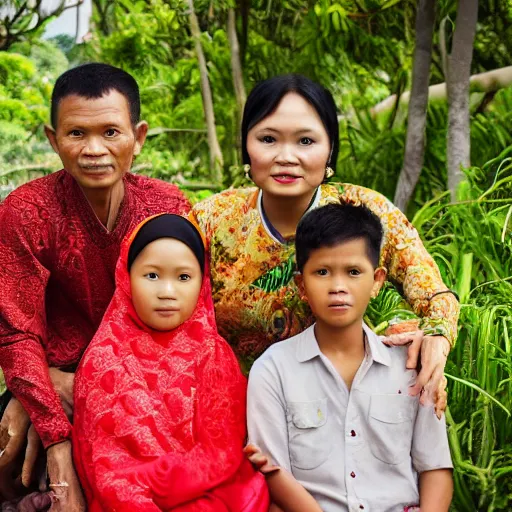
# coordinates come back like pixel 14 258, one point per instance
pixel 353 475
pixel 353 433
pixel 361 507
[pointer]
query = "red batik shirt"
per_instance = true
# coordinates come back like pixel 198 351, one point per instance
pixel 57 264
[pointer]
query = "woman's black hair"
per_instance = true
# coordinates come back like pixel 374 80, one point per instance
pixel 266 96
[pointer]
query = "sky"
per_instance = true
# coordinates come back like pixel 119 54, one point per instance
pixel 66 22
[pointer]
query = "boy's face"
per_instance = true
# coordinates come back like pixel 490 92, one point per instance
pixel 339 281
pixel 165 283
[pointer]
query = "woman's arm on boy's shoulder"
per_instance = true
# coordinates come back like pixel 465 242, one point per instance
pixel 410 265
pixel 436 490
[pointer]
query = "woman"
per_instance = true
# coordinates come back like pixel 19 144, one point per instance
pixel 290 145
pixel 159 420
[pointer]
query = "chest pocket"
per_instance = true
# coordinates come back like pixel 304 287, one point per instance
pixel 390 423
pixel 308 425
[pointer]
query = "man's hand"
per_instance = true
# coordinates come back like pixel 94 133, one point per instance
pixel 434 351
pixel 260 461
pixel 66 492
pixel 13 431
pixel 63 384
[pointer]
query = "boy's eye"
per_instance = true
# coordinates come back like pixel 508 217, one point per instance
pixel 152 276
pixel 268 139
pixel 354 272
pixel 75 133
pixel 322 272
pixel 306 141
pixel 184 277
pixel 110 132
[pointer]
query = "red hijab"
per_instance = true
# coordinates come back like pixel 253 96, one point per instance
pixel 160 416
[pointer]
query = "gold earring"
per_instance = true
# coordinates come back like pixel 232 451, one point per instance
pixel 329 173
pixel 247 170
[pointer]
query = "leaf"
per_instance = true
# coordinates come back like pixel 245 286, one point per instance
pixel 480 390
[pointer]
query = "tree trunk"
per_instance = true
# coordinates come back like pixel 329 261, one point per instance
pixel 77 28
pixel 236 67
pixel 417 115
pixel 216 160
pixel 490 81
pixel 459 71
pixel 244 7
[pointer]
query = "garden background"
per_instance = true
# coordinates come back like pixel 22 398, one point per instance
pixel 194 62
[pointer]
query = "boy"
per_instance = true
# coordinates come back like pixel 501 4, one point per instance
pixel 330 406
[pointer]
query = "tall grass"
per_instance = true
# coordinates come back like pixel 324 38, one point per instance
pixel 472 244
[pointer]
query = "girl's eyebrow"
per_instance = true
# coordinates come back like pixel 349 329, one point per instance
pixel 296 132
pixel 157 266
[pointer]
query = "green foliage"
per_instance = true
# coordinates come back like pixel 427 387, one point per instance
pixel 362 51
pixel 25 21
pixel 471 241
pixel 371 152
pixel 26 80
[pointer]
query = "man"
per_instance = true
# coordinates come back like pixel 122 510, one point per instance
pixel 59 243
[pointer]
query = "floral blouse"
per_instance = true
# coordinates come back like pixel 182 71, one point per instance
pixel 252 268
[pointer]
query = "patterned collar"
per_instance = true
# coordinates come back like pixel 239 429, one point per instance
pixel 269 228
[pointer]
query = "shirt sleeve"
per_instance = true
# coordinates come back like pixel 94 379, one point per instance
pixel 23 281
pixel 266 413
pixel 430 448
pixel 410 266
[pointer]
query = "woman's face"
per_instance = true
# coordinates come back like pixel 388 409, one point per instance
pixel 165 282
pixel 289 149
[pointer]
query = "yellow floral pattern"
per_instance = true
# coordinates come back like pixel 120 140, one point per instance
pixel 251 316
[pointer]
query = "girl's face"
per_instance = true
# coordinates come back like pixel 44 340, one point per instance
pixel 165 283
pixel 289 149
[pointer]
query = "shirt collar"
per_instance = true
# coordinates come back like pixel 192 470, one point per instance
pixel 308 348
pixel 378 352
pixel 269 228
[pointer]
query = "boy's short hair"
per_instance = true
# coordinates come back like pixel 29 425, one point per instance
pixel 93 81
pixel 336 223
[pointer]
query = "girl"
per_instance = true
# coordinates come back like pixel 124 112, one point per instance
pixel 159 396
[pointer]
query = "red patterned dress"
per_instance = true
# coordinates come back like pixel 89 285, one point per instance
pixel 159 418
pixel 57 265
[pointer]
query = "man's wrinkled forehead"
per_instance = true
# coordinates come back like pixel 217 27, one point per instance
pixel 110 108
pixel 78 104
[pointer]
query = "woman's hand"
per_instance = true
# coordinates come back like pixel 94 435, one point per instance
pixel 432 352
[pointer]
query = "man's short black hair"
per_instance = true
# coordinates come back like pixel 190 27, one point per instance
pixel 336 223
pixel 93 81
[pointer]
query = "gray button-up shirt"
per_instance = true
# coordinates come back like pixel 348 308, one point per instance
pixel 352 450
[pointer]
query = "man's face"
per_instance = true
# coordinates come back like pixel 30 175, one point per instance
pixel 338 282
pixel 95 139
